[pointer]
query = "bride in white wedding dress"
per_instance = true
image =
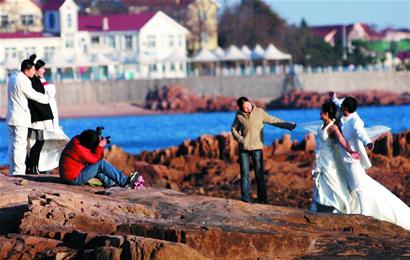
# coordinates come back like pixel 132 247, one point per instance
pixel 331 191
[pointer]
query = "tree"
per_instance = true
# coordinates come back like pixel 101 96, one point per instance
pixel 251 22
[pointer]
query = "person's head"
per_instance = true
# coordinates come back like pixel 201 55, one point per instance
pixel 27 66
pixel 328 111
pixel 349 105
pixel 244 104
pixel 89 138
pixel 40 68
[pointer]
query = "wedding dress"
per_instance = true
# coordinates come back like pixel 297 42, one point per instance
pixel 330 188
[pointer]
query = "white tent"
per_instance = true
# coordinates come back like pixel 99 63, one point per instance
pixel 234 54
pixel 258 53
pixel 219 52
pixel 245 50
pixel 272 53
pixel 204 55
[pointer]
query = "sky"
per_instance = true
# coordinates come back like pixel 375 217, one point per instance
pixel 380 13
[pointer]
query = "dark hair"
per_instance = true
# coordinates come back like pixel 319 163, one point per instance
pixel 28 63
pixel 241 101
pixel 330 108
pixel 350 104
pixel 39 64
pixel 89 138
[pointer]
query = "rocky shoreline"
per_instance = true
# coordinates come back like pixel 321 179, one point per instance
pixel 170 219
pixel 177 98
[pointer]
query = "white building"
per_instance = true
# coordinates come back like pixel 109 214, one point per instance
pixel 146 45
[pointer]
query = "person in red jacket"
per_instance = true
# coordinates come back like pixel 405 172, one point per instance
pixel 82 160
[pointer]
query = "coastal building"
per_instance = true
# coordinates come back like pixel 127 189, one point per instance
pixel 198 16
pixel 145 45
pixel 20 15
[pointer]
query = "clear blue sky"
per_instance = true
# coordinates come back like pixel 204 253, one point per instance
pixel 381 13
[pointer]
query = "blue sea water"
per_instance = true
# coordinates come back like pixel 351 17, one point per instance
pixel 150 132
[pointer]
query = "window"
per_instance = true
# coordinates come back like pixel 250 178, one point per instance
pixel 69 43
pixel 171 40
pixel 111 41
pixel 29 50
pixel 204 37
pixel 172 66
pixel 51 21
pixel 27 19
pixel 49 52
pixel 128 42
pixel 180 41
pixel 151 41
pixel 69 20
pixel 164 68
pixel 181 67
pixel 4 21
pixel 152 67
pixel 10 53
pixel 95 40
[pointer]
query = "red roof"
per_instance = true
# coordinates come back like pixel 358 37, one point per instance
pixel 52 5
pixel 322 31
pixel 117 22
pixel 157 3
pixel 19 35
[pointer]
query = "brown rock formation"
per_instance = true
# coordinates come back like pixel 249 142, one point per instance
pixel 309 99
pixel 61 221
pixel 177 98
pixel 209 166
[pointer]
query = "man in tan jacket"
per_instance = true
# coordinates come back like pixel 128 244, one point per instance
pixel 247 129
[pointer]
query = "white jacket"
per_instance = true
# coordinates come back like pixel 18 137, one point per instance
pixel 354 132
pixel 19 89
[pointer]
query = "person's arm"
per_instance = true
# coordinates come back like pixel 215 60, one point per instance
pixel 335 132
pixel 88 156
pixel 30 93
pixel 277 121
pixel 235 131
pixel 362 134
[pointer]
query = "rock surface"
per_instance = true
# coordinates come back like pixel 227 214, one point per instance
pixel 43 218
pixel 177 98
pixel 208 166
pixel 65 222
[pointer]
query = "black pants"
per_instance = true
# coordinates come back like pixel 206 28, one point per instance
pixel 34 155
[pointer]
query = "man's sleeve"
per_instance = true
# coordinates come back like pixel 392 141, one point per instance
pixel 361 132
pixel 31 93
pixel 338 102
pixel 234 130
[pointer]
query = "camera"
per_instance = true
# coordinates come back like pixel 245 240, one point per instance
pixel 99 133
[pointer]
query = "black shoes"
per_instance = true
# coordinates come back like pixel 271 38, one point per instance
pixel 32 170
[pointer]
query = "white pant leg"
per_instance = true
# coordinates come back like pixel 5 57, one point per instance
pixel 355 180
pixel 17 149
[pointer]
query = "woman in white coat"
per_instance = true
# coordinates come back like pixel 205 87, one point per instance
pixel 46 138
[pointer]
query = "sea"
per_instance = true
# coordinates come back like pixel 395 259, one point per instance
pixel 139 133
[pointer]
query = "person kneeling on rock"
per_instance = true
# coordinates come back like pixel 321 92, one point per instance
pixel 82 160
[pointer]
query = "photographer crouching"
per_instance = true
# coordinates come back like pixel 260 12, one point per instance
pixel 82 160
